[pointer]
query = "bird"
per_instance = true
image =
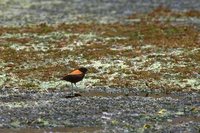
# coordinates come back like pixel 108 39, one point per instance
pixel 75 76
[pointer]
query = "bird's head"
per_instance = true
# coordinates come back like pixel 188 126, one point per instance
pixel 83 70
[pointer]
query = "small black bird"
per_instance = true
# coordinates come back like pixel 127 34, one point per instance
pixel 75 76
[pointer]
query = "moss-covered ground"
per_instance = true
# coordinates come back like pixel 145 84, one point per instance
pixel 152 53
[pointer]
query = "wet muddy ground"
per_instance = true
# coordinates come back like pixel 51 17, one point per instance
pixel 99 110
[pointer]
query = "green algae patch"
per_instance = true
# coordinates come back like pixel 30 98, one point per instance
pixel 2 79
pixel 42 122
pixel 15 124
pixel 20 104
pixel 157 55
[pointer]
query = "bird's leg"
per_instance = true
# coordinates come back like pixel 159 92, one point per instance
pixel 75 85
pixel 72 88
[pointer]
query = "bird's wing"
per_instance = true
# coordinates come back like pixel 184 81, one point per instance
pixel 75 72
